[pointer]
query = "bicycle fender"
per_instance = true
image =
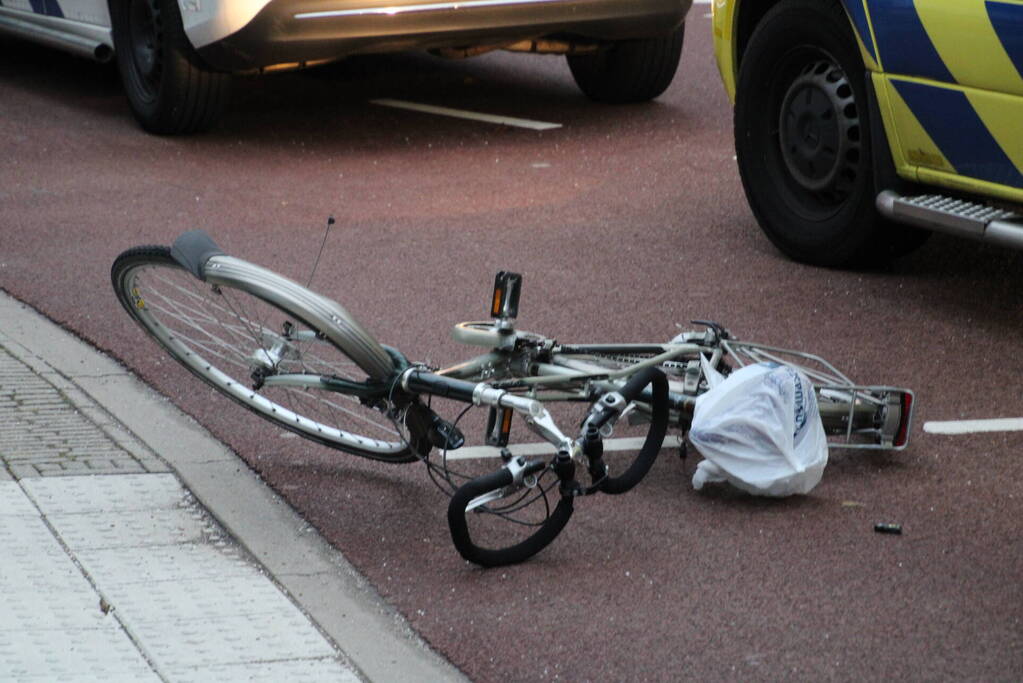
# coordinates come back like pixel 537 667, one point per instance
pixel 193 249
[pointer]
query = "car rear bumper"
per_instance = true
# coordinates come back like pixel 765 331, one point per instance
pixel 289 32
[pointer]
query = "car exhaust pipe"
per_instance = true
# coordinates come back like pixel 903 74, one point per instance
pixel 955 217
pixel 53 33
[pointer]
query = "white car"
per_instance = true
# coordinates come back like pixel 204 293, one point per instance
pixel 176 56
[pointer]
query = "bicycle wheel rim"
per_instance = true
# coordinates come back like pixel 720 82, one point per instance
pixel 225 335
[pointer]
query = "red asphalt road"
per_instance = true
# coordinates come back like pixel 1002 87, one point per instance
pixel 623 222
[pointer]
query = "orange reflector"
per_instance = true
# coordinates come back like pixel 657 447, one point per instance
pixel 495 308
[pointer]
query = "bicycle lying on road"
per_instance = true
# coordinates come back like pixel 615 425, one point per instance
pixel 301 361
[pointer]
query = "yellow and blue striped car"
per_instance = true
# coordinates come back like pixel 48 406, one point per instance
pixel 860 125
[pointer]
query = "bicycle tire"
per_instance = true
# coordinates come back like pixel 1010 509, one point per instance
pixel 219 331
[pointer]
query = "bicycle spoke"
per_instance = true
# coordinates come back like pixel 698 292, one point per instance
pixel 174 311
pixel 231 338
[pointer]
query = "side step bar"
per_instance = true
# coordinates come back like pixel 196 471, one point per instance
pixel 955 217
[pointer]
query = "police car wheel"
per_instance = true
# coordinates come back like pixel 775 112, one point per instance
pixel 168 89
pixel 803 138
pixel 629 71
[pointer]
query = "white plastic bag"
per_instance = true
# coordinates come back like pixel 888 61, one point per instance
pixel 760 430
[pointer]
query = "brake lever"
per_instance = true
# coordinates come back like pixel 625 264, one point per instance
pixel 610 406
pixel 520 468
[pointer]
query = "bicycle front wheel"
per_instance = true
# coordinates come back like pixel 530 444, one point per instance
pixel 263 354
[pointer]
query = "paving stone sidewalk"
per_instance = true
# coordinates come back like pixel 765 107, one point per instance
pixel 42 433
pixel 114 571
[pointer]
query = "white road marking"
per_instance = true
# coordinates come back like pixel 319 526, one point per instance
pixel 540 448
pixel 1003 424
pixel 463 114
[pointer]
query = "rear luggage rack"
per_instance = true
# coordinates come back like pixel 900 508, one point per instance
pixel 854 405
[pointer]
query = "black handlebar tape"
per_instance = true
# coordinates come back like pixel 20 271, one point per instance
pixel 634 387
pixel 496 557
pixel 654 437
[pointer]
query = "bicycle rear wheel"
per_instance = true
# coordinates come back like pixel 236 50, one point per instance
pixel 262 355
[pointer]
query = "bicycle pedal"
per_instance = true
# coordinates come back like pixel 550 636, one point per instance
pixel 498 427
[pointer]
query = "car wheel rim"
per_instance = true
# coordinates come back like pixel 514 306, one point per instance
pixel 145 32
pixel 819 133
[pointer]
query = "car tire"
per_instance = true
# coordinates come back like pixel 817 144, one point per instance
pixel 167 87
pixel 629 70
pixel 803 140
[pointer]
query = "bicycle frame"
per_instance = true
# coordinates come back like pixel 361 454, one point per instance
pixel 546 382
pixel 657 385
pixel 507 366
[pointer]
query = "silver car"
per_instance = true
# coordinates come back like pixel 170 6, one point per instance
pixel 176 56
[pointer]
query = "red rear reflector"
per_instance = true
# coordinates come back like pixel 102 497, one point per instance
pixel 902 436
